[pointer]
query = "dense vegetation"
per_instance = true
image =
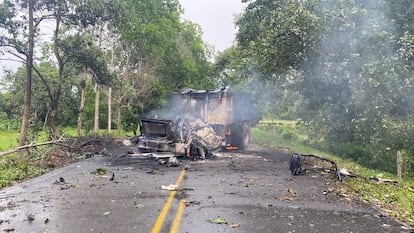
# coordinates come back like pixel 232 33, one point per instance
pixel 98 56
pixel 395 199
pixel 343 67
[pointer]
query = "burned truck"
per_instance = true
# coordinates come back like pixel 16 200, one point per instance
pixel 199 122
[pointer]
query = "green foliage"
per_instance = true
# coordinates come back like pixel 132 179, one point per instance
pixel 8 140
pixel 345 68
pixel 149 48
pixel 16 168
pixel 277 34
pixel 395 200
pixel 156 37
pixel 278 133
pixel 80 51
pixel 100 171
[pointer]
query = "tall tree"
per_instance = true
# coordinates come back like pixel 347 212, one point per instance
pixel 17 36
pixel 348 63
pixel 155 52
pixel 29 65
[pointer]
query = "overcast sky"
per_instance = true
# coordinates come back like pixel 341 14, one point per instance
pixel 216 18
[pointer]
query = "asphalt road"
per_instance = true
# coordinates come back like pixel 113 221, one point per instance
pixel 250 191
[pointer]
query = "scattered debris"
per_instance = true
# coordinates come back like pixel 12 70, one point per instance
pixel 250 178
pixel 66 186
pixel 289 196
pixel 99 171
pixel 185 189
pixel 107 213
pixel 31 217
pixel 191 203
pixel 133 150
pixel 173 162
pixel 152 171
pixel 292 192
pixel 234 225
pixel 171 187
pixel 9 230
pixel 295 165
pixel 219 221
pixel 61 180
pixel 138 205
pixel 224 222
pixel 162 161
pixel 343 173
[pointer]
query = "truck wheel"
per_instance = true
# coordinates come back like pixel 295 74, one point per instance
pixel 241 136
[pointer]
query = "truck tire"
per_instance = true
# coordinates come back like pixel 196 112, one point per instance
pixel 241 136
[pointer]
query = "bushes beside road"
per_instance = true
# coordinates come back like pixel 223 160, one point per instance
pixel 395 200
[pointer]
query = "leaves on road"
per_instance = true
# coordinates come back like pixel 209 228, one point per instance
pixel 219 221
pixel 224 221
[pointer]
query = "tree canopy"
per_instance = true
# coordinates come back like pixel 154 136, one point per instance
pixel 344 67
pixel 137 51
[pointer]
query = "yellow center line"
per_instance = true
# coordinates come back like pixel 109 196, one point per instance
pixel 161 217
pixel 177 219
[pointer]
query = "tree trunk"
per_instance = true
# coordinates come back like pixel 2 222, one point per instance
pixel 82 102
pixel 109 110
pixel 28 91
pixel 110 92
pixel 97 91
pixel 56 95
pixel 118 125
pixel 53 117
pixel 96 118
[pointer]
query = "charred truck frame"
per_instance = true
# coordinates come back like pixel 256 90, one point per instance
pixel 203 121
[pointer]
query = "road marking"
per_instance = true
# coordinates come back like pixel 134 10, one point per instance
pixel 177 219
pixel 161 217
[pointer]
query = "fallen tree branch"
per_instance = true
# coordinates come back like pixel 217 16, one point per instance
pixel 31 145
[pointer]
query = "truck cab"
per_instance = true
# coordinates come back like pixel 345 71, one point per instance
pixel 205 120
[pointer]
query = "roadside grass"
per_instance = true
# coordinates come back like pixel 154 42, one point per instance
pixel 16 168
pixel 8 140
pixel 396 200
pixel 26 164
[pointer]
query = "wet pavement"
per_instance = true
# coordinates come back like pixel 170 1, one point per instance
pixel 250 191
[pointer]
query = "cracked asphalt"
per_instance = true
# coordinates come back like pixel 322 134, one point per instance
pixel 236 191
